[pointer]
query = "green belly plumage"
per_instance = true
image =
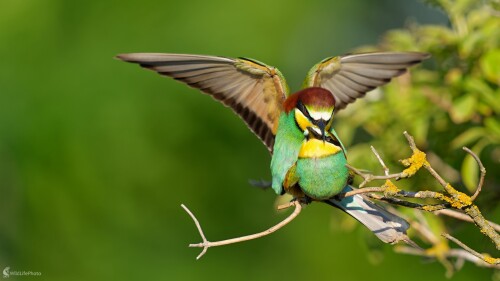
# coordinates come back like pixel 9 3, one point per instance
pixel 323 177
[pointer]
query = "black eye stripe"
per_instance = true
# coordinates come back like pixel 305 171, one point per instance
pixel 300 106
pixel 303 109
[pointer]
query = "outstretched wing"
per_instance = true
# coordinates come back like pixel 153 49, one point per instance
pixel 350 77
pixel 252 89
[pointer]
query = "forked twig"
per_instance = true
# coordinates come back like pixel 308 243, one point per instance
pixel 198 226
pixel 207 244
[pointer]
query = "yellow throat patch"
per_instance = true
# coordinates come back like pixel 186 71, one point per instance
pixel 315 148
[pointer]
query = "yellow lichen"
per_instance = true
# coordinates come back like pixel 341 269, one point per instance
pixel 427 208
pixel 430 208
pixel 439 250
pixel 487 258
pixel 414 163
pixel 458 200
pixel 464 198
pixel 444 198
pixel 390 188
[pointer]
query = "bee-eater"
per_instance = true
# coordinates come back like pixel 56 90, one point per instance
pixel 308 158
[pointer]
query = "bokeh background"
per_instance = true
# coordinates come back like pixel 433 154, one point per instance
pixel 96 155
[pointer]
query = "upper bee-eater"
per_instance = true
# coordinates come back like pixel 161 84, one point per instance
pixel 308 158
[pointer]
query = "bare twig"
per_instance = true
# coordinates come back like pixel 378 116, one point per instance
pixel 363 190
pixel 440 249
pixel 399 202
pixel 369 177
pixel 207 244
pixel 461 216
pixel 436 252
pixel 198 226
pixel 286 205
pixel 386 170
pixel 410 140
pixel 422 226
pixel 451 253
pixel 483 173
pixel 484 257
pixel 444 168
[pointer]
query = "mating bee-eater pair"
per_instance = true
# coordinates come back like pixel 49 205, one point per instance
pixel 308 158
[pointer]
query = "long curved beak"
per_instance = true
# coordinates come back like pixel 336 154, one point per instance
pixel 322 124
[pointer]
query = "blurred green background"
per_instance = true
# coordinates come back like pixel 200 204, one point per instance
pixel 96 155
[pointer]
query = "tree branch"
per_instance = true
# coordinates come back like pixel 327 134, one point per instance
pixel 487 258
pixel 451 253
pixel 450 198
pixel 461 216
pixel 207 244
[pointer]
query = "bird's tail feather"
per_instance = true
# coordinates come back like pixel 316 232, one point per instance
pixel 387 226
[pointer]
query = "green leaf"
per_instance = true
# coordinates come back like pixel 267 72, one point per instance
pixel 468 137
pixel 485 92
pixel 453 77
pixel 463 108
pixel 462 6
pixel 435 4
pixel 493 126
pixel 400 40
pixel 471 43
pixel 420 129
pixel 435 37
pixel 490 65
pixel 470 169
pixel 495 5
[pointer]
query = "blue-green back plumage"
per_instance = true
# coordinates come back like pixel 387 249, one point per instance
pixel 287 145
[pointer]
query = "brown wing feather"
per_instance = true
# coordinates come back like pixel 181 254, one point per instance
pixel 350 77
pixel 251 89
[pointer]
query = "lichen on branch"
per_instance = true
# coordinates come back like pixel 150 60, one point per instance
pixel 449 197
